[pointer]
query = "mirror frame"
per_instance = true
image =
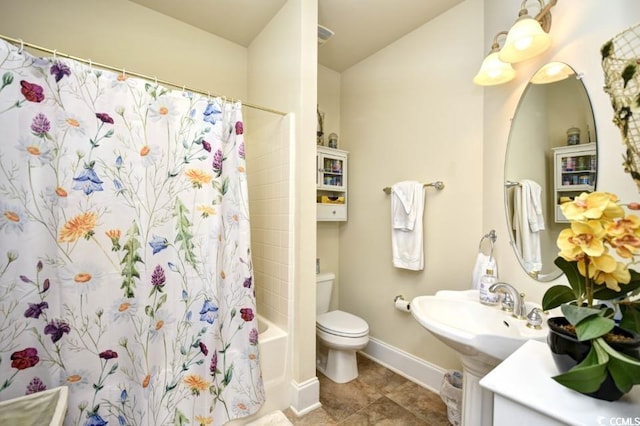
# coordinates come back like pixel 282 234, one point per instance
pixel 554 272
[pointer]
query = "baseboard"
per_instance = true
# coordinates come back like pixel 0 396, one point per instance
pixel 415 369
pixel 305 397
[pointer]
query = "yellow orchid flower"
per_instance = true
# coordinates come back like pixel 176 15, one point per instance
pixel 594 205
pixel 624 236
pixel 568 249
pixel 627 225
pixel 582 238
pixel 611 277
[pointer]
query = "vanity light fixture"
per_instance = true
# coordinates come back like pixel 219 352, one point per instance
pixel 552 72
pixel 494 71
pixel 529 36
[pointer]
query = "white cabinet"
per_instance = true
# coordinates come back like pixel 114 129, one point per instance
pixel 331 184
pixel 523 389
pixel 574 173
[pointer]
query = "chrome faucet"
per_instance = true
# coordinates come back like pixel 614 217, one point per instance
pixel 519 307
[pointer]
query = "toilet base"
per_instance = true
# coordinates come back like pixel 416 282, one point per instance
pixel 341 366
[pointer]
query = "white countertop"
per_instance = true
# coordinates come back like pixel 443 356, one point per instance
pixel 525 377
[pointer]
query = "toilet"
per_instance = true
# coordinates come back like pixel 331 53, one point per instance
pixel 339 335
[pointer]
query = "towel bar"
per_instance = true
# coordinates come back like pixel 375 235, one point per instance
pixel 439 185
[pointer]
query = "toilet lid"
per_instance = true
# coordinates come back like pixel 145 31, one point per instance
pixel 342 323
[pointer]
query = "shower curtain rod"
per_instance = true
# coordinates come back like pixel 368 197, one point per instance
pixel 55 53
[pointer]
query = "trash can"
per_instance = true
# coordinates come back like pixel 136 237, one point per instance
pixel 451 394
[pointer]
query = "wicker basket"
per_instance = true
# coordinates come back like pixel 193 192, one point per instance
pixel 621 65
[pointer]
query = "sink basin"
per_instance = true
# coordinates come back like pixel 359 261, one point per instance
pixel 482 335
pixel 474 330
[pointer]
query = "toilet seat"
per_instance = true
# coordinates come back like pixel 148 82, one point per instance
pixel 342 324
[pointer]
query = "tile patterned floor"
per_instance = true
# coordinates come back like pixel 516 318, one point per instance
pixel 377 397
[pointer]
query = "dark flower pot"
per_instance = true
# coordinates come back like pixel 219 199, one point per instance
pixel 567 351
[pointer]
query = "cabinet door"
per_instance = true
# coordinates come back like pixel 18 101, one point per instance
pixel 576 171
pixel 331 172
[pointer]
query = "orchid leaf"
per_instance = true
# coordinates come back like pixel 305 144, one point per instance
pixel 556 296
pixel 570 269
pixel 593 327
pixel 576 314
pixel 624 369
pixel 621 373
pixel 630 316
pixel 587 376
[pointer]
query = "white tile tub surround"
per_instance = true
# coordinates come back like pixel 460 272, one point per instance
pixel 267 153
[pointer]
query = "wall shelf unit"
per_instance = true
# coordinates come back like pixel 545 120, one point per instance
pixel 331 184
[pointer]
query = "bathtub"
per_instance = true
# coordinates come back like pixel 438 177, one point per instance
pixel 274 361
pixel 46 408
pixel 272 341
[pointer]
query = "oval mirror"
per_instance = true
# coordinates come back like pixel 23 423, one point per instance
pixel 551 157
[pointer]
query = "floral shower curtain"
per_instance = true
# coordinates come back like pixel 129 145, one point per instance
pixel 125 267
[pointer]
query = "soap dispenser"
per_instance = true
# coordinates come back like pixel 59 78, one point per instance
pixel 486 281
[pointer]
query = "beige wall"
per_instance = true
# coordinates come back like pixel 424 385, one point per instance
pixel 578 33
pixel 410 112
pixel 126 35
pixel 328 233
pixel 283 74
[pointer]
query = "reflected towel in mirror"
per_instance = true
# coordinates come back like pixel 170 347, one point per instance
pixel 528 221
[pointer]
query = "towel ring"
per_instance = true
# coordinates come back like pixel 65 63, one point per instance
pixel 492 237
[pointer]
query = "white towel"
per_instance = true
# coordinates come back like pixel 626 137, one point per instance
pixel 528 221
pixel 533 192
pixel 407 208
pixel 403 208
pixel 480 268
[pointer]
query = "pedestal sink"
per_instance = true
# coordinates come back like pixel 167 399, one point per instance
pixel 482 335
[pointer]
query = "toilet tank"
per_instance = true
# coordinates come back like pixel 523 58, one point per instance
pixel 324 285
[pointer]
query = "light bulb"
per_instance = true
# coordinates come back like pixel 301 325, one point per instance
pixel 525 39
pixel 493 71
pixel 523 43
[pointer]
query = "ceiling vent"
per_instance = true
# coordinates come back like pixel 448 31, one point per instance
pixel 324 34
